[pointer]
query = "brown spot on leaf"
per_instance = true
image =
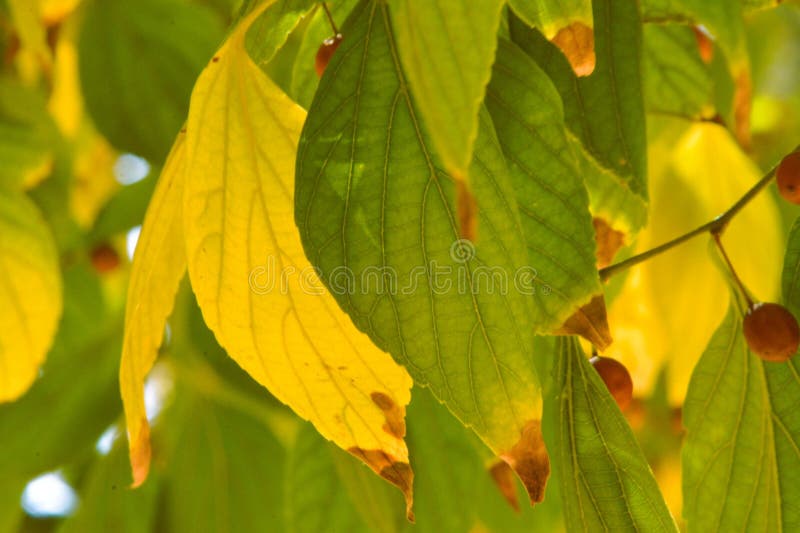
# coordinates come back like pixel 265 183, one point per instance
pixel 528 457
pixel 215 59
pixel 503 477
pixel 704 44
pixel 467 207
pixel 742 95
pixel 590 322
pixel 140 454
pixel 395 416
pixel 576 41
pixel 395 472
pixel 609 241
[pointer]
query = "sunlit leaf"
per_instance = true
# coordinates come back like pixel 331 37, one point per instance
pixel 567 24
pixel 606 483
pixel 676 80
pixel 446 49
pixel 731 474
pixel 552 198
pixel 30 293
pixel 377 214
pixel 140 109
pixel 158 266
pixel 253 283
pixel 605 110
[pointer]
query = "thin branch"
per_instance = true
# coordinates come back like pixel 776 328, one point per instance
pixel 714 227
pixel 732 270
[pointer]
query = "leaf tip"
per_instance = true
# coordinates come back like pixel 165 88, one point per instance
pixel 590 322
pixel 398 473
pixel 140 453
pixel 503 477
pixel 576 41
pixel 467 208
pixel 529 459
pixel 609 241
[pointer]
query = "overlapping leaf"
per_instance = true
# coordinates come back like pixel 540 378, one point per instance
pixel 553 203
pixel 605 110
pixel 446 49
pixel 30 293
pixel 253 283
pixel 377 214
pixel 606 483
pixel 567 24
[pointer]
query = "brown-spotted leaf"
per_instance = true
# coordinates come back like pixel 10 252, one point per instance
pixel 590 322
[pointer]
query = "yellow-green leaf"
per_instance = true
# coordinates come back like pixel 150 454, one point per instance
pixel 257 290
pixel 30 293
pixel 158 266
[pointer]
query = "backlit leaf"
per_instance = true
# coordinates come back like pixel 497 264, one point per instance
pixel 253 283
pixel 553 203
pixel 605 110
pixel 446 49
pixel 378 216
pixel 606 483
pixel 158 266
pixel 30 293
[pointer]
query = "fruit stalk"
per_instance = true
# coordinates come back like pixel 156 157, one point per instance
pixel 715 227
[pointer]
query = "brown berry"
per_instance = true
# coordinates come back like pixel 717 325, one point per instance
pixel 616 378
pixel 788 177
pixel 325 52
pixel 104 258
pixel 771 332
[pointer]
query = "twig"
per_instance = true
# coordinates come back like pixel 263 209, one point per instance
pixel 330 18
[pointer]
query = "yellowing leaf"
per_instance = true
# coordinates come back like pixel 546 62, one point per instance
pixel 255 287
pixel 66 102
pixel 671 304
pixel 158 266
pixel 30 293
pixel 31 30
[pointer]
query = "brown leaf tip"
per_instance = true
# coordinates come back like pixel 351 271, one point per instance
pixel 590 322
pixel 576 41
pixel 395 416
pixel 528 457
pixel 503 477
pixel 609 241
pixel 140 454
pixel 395 472
pixel 467 208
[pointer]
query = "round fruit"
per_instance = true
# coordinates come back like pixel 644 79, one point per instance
pixel 788 177
pixel 771 332
pixel 325 52
pixel 616 378
pixel 104 258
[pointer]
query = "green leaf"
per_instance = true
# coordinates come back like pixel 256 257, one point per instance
pixel 373 204
pixel 553 203
pixel 27 135
pixel 125 209
pixel 676 80
pixel 315 500
pixel 730 470
pixel 138 63
pixel 606 109
pixel 106 502
pixel 446 48
pixel 606 483
pixel 271 29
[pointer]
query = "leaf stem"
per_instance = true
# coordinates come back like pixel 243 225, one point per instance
pixel 330 18
pixel 739 284
pixel 715 227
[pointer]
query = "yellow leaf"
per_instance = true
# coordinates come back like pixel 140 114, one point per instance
pixel 30 293
pixel 671 304
pixel 66 101
pixel 291 337
pixel 32 36
pixel 158 266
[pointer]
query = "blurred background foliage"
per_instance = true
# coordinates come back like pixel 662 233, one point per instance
pixel 92 93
